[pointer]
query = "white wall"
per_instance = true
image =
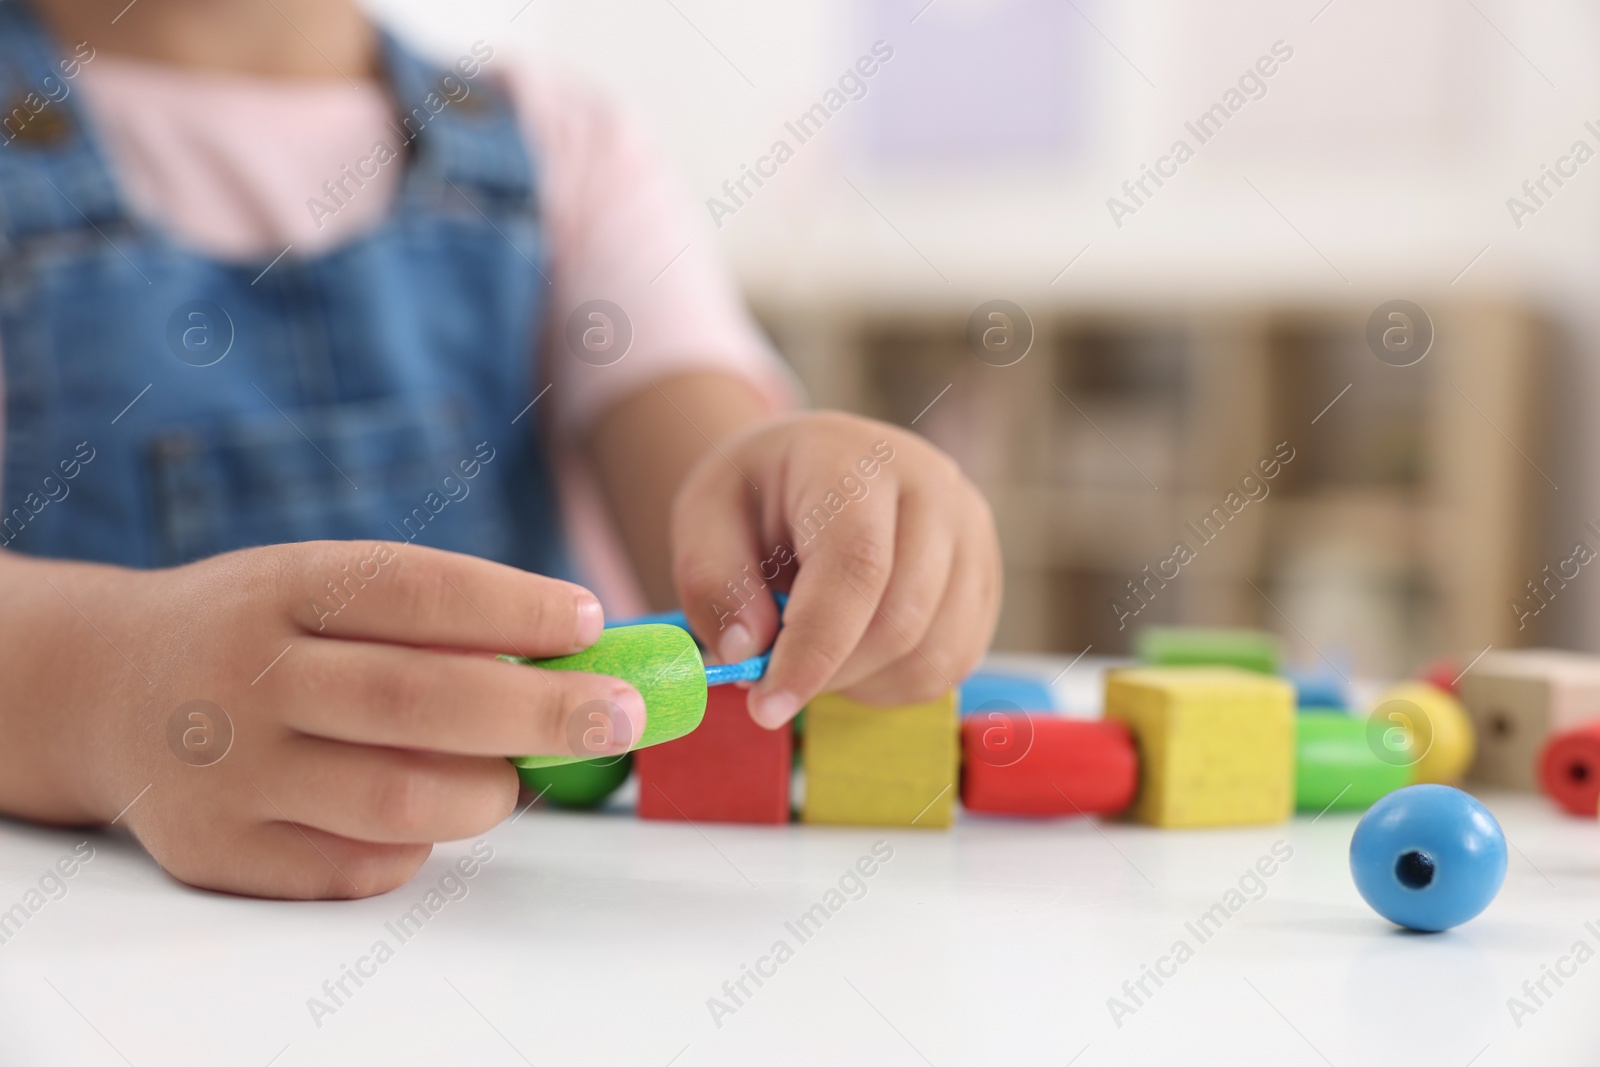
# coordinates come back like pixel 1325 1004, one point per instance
pixel 1390 142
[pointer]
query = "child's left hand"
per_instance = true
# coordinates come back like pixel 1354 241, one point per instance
pixel 889 551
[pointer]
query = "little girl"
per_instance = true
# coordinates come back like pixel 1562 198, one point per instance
pixel 301 331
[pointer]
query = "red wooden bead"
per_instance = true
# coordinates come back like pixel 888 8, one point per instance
pixel 1569 769
pixel 729 769
pixel 1037 763
pixel 1442 672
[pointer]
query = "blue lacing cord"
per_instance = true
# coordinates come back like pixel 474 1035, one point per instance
pixel 748 670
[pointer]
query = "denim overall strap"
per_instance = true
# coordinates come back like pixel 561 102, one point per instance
pixel 382 389
pixel 477 152
pixel 67 183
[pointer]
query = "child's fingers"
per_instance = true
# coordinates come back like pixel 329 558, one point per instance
pixel 413 595
pixel 285 861
pixel 843 573
pixel 952 646
pixel 715 543
pixel 410 698
pixel 388 795
pixel 924 548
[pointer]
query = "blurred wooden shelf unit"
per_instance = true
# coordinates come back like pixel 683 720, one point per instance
pixel 1405 522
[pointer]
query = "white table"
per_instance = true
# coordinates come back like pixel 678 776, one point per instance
pixel 598 939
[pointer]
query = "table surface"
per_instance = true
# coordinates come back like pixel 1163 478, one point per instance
pixel 600 939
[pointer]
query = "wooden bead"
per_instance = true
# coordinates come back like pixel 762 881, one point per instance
pixel 1340 764
pixel 1207 646
pixel 1517 699
pixel 878 766
pixel 661 662
pixel 997 690
pixel 1028 763
pixel 1443 742
pixel 729 770
pixel 1569 770
pixel 577 785
pixel 1216 744
pixel 1428 857
pixel 1443 672
pixel 1318 687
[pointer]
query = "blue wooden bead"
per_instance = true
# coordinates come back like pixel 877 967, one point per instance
pixel 1318 687
pixel 1428 857
pixel 1003 691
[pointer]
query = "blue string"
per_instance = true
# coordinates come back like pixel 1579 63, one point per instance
pixel 744 671
pixel 748 670
pixel 664 618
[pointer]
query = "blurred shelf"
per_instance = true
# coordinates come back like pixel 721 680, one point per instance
pixel 1400 527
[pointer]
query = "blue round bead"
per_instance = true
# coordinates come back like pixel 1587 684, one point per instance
pixel 1428 857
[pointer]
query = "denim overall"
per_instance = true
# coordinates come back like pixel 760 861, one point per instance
pixel 163 406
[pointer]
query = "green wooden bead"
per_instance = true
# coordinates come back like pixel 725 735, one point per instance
pixel 578 785
pixel 662 662
pixel 1335 764
pixel 1207 646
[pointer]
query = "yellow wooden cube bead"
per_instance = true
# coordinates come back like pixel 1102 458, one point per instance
pixel 876 766
pixel 1216 744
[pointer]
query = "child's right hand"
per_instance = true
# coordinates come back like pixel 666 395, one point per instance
pixel 358 737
